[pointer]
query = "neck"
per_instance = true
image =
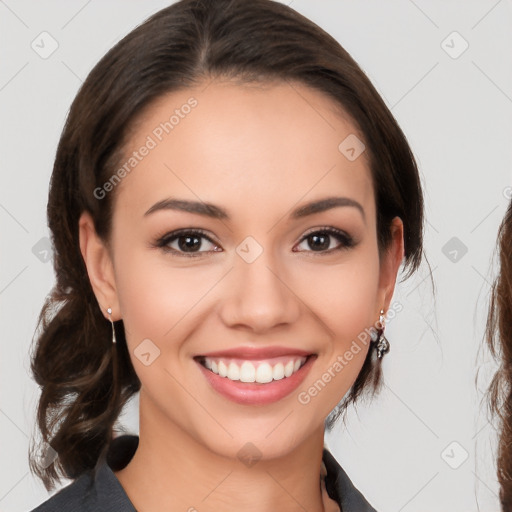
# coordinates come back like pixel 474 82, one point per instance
pixel 172 471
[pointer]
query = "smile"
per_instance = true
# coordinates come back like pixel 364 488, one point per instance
pixel 263 371
pixel 255 381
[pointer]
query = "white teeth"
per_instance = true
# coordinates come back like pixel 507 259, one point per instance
pixel 233 372
pixel 264 373
pixel 278 372
pixel 247 372
pixel 261 372
pixel 288 369
pixel 223 369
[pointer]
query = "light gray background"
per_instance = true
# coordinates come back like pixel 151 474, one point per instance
pixel 457 115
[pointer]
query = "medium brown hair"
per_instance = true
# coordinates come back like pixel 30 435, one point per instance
pixel 499 338
pixel 85 382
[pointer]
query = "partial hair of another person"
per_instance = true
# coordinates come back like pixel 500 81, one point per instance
pixel 84 383
pixel 499 338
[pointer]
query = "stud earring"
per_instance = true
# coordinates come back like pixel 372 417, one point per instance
pixel 109 311
pixel 382 342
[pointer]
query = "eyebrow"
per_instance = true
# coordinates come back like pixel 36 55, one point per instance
pixel 216 212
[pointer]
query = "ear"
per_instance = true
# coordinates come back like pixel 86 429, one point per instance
pixel 99 266
pixel 390 264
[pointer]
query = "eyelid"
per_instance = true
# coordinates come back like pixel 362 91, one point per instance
pixel 329 229
pixel 186 231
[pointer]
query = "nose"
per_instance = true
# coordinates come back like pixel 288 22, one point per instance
pixel 259 297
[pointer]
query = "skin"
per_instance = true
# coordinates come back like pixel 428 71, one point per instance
pixel 258 151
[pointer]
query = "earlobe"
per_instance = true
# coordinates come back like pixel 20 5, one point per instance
pixel 99 265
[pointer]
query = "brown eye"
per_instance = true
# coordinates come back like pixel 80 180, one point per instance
pixel 187 243
pixel 324 240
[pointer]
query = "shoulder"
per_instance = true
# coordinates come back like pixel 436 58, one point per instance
pixel 96 491
pixel 75 497
pixel 340 487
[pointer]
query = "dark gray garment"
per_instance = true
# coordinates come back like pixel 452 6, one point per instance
pixel 103 492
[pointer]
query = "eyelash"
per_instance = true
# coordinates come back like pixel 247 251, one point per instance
pixel 346 241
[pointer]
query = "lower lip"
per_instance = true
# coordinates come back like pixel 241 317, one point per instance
pixel 253 393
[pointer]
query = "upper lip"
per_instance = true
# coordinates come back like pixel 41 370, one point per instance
pixel 255 353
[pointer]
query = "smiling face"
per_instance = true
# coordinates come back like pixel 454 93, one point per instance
pixel 269 263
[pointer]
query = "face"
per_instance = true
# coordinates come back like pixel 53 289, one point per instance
pixel 242 261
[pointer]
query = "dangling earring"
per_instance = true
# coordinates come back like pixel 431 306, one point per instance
pixel 109 311
pixel 380 339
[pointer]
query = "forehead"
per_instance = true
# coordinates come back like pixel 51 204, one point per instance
pixel 244 146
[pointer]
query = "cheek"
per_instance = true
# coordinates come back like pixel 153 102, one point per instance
pixel 343 296
pixel 343 299
pixel 155 297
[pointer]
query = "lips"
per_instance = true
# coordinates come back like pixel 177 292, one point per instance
pixel 237 388
pixel 256 353
pixel 255 375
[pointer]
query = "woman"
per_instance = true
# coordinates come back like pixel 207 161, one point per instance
pixel 219 162
pixel 499 337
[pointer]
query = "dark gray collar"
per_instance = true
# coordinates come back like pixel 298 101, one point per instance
pixel 341 489
pixel 102 492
